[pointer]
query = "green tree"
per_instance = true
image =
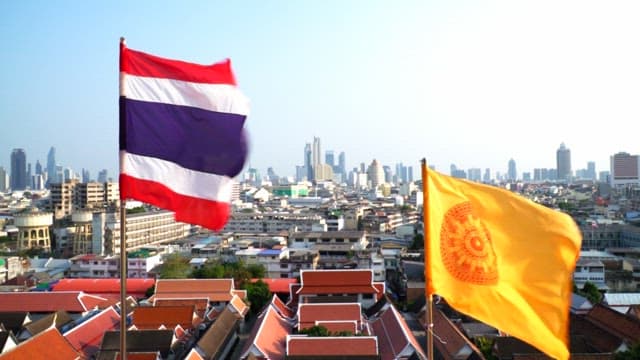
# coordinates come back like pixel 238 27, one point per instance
pixel 150 291
pixel 418 242
pixel 631 354
pixel 486 347
pixel 258 295
pixel 591 292
pixel 316 330
pixel 256 271
pixel 175 266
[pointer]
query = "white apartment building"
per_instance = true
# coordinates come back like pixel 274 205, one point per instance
pixel 592 271
pixel 139 265
pixel 153 227
pixel 272 222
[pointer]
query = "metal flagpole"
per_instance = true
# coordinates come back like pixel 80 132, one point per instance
pixel 123 244
pixel 427 273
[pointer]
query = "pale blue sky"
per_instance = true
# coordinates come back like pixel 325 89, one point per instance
pixel 472 83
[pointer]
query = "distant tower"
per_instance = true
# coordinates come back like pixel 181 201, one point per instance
pixel 625 169
pixel 376 173
pixel 308 165
pixel 51 165
pixel 18 169
pixel 329 158
pixel 4 179
pixel 317 152
pixel 342 163
pixel 33 230
pixel 591 170
pixel 563 162
pixel 512 173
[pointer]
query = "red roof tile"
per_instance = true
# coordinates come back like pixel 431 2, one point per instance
pixel 332 346
pixel 280 306
pixel 278 285
pixel 239 306
pixel 270 337
pixel 356 277
pixel 622 325
pixel 193 355
pixel 309 314
pixel 86 337
pixel 135 287
pixel 42 302
pixel 339 326
pixel 49 342
pixel 394 336
pixel 152 317
pixel 337 289
pixel 200 305
pixel 213 289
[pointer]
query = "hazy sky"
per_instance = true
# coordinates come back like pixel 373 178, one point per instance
pixel 472 83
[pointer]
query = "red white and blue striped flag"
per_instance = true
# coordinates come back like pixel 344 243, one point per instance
pixel 182 136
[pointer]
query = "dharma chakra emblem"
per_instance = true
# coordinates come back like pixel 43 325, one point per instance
pixel 465 247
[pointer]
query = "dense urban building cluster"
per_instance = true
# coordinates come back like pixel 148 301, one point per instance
pixel 340 251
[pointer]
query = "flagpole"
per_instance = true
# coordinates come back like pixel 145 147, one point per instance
pixel 427 273
pixel 123 244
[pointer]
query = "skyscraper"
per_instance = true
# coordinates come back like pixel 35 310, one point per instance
pixel 591 170
pixel 563 163
pixel 317 151
pixel 18 169
pixel 625 169
pixel 329 158
pixel 51 165
pixel 512 174
pixel 4 179
pixel 376 173
pixel 342 163
pixel 307 161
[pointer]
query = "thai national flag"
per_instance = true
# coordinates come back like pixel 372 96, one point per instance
pixel 181 136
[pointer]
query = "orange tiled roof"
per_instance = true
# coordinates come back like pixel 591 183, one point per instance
pixel 152 317
pixel 270 337
pixel 394 336
pixel 49 342
pixel 305 290
pixel 309 314
pixel 200 305
pixel 213 289
pixel 278 286
pixel 239 306
pixel 193 355
pixel 104 286
pixel 280 306
pixel 357 277
pixel 622 325
pixel 332 346
pixel 41 302
pixel 86 337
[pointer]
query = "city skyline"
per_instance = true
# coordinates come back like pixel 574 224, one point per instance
pixel 456 83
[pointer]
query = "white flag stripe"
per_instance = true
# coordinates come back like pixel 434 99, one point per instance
pixel 178 179
pixel 215 97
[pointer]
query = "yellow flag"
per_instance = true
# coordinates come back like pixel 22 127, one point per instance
pixel 501 258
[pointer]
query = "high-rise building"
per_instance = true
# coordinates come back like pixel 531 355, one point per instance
pixel 51 166
pixel 591 170
pixel 4 179
pixel 317 152
pixel 342 163
pixel 387 173
pixel 625 169
pixel 512 174
pixel 86 176
pixel 38 168
pixel 475 174
pixel 329 158
pixel 487 175
pixel 308 165
pixel 18 169
pixel 376 173
pixel 563 163
pixel 409 173
pixel 102 176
